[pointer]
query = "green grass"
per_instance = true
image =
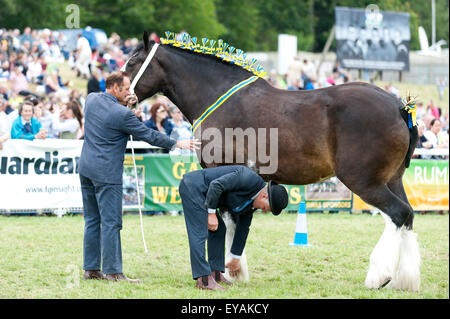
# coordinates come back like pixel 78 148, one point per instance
pixel 41 257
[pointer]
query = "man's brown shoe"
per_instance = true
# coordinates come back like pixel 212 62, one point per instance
pixel 93 274
pixel 208 282
pixel 219 277
pixel 117 277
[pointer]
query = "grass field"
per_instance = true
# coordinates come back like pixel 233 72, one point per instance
pixel 41 257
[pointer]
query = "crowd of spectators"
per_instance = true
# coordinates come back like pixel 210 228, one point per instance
pixel 302 75
pixel 433 128
pixel 37 102
pixel 30 75
pixel 432 122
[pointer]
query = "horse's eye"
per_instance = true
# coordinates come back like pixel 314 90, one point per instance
pixel 133 59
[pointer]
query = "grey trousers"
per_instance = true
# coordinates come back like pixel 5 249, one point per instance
pixel 103 221
pixel 196 218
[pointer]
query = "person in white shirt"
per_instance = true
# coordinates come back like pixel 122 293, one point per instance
pixel 432 134
pixel 71 126
pixel 4 131
pixel 34 69
pixel 181 130
pixel 84 56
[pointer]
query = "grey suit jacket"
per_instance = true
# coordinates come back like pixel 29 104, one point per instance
pixel 107 127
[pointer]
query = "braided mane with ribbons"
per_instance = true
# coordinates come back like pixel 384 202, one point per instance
pixel 222 51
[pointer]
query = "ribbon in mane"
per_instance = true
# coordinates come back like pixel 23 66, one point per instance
pixel 409 104
pixel 223 51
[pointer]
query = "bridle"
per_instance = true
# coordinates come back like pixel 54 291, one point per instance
pixel 142 68
pixel 132 86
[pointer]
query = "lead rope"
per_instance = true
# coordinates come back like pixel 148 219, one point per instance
pixel 132 86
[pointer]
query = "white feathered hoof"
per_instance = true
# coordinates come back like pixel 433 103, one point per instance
pixel 231 228
pixel 408 273
pixel 243 274
pixel 375 279
pixel 384 258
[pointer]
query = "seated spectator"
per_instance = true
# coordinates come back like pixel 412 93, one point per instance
pixel 76 95
pixel 4 71
pixel 138 111
pixel 69 121
pixel 393 90
pixel 53 81
pixel 4 92
pixel 420 111
pixel 422 142
pixel 26 126
pixel 160 121
pixel 34 72
pixel 311 83
pixel 181 129
pixel 433 110
pixel 46 119
pixel 4 132
pixel 433 135
pixel 94 81
pixel 443 138
pixel 19 83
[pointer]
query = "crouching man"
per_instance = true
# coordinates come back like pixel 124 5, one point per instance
pixel 240 191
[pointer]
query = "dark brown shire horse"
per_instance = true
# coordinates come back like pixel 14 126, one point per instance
pixel 355 131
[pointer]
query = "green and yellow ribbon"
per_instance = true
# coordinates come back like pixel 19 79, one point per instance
pixel 221 100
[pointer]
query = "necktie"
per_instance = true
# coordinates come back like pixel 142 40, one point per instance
pixel 27 128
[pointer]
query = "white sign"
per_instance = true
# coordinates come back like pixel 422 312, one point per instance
pixel 40 174
pixel 287 50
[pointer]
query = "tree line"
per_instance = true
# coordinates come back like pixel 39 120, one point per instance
pixel 252 25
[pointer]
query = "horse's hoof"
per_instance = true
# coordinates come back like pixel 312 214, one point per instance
pixel 386 283
pixel 375 281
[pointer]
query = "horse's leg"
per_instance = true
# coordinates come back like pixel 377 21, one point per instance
pixel 384 258
pixel 408 273
pixel 231 228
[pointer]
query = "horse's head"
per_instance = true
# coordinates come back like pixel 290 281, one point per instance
pixel 150 80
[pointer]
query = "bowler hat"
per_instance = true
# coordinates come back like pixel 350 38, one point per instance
pixel 278 197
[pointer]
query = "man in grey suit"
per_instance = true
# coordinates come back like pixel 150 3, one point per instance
pixel 108 125
pixel 240 191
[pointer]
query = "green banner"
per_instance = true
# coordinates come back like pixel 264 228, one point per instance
pixel 160 174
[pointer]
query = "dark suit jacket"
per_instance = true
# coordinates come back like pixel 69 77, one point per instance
pixel 107 127
pixel 232 188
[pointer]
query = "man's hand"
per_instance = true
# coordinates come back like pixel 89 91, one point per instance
pixel 234 266
pixel 189 144
pixel 213 223
pixel 131 99
pixel 42 134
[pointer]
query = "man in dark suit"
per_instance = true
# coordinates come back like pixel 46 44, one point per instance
pixel 240 191
pixel 108 124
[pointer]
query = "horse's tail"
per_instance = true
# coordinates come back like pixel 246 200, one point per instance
pixel 408 112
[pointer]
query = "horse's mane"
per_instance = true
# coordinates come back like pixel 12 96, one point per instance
pixel 223 51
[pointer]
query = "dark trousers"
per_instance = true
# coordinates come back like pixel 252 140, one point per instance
pixel 103 221
pixel 196 218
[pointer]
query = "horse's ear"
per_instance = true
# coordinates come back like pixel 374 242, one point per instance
pixel 145 39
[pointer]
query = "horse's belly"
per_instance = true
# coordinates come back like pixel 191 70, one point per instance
pixel 291 171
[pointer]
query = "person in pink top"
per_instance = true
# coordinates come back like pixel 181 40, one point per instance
pixel 18 80
pixel 433 109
